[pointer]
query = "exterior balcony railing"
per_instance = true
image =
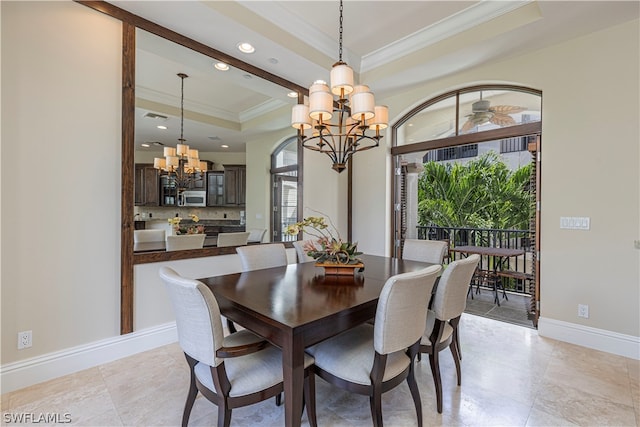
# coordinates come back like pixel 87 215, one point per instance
pixel 491 237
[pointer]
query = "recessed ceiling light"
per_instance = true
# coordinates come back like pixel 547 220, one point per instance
pixel 273 60
pixel 221 66
pixel 224 146
pixel 161 127
pixel 247 76
pixel 410 124
pixel 144 144
pixel 246 48
pixel 292 94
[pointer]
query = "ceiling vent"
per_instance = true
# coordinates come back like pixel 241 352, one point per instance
pixel 155 116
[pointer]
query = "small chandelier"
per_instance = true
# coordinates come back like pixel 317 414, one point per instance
pixel 340 127
pixel 181 162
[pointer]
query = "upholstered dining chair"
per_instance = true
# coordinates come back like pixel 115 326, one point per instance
pixel 373 359
pixel 232 239
pixel 300 252
pixel 185 241
pixel 433 251
pixel 256 257
pixel 448 304
pixel 230 371
pixel 151 235
pixel 256 235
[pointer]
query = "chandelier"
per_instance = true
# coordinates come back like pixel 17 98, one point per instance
pixel 181 162
pixel 339 127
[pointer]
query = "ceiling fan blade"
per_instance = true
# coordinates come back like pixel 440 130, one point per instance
pixel 507 109
pixel 467 126
pixel 502 120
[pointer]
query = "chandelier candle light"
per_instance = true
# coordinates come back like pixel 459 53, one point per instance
pixel 181 161
pixel 340 131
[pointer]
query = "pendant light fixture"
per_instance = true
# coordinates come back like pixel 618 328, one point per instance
pixel 340 126
pixel 181 162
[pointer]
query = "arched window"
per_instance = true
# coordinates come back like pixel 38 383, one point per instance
pixel 286 190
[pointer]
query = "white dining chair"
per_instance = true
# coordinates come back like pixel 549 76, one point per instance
pixel 256 257
pixel 433 251
pixel 185 241
pixel 230 371
pixel 443 318
pixel 232 239
pixel 152 235
pixel 300 252
pixel 256 235
pixel 372 359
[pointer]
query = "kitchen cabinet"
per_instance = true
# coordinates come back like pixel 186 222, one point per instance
pixel 147 186
pixel 215 188
pixel 235 180
pixel 168 191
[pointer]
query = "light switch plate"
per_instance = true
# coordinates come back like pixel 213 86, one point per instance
pixel 575 222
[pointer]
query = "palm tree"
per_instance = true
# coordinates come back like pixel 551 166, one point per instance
pixel 482 193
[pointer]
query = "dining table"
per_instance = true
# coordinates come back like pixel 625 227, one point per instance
pixel 499 255
pixel 298 305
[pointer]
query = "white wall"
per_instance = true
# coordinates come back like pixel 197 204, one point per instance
pixel 61 90
pixel 590 167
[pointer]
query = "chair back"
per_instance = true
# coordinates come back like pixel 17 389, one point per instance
pixel 197 316
pixel 185 241
pixel 432 251
pixel 450 299
pixel 256 235
pixel 232 239
pixel 256 257
pixel 153 235
pixel 402 309
pixel 300 252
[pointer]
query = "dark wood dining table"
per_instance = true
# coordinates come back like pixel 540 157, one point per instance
pixel 298 305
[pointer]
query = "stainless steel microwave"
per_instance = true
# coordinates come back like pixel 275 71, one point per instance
pixel 193 198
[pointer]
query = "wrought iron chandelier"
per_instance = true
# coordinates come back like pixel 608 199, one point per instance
pixel 181 162
pixel 340 127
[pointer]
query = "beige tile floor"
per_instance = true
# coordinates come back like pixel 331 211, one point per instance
pixel 510 377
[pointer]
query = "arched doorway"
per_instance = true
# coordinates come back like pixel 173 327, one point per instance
pixel 457 131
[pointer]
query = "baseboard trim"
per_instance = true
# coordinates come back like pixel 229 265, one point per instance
pixel 585 336
pixel 17 375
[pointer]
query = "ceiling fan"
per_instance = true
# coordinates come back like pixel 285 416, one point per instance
pixel 482 112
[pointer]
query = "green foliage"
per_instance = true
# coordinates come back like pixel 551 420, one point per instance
pixel 482 193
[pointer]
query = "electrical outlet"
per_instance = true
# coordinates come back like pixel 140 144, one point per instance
pixel 583 311
pixel 24 340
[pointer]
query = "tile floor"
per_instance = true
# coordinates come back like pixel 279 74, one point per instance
pixel 514 310
pixel 510 377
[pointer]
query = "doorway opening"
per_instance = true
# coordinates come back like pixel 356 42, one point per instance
pixel 467 170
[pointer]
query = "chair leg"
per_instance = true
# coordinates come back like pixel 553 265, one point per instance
pixel 310 398
pixel 456 360
pixel 279 399
pixel 415 393
pixel 435 372
pixel 375 401
pixel 191 395
pixel 231 326
pixel 224 415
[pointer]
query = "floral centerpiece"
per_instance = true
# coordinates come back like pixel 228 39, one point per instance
pixel 332 250
pixel 183 229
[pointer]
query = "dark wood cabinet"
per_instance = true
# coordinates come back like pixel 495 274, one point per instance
pixel 147 185
pixel 168 191
pixel 235 179
pixel 215 188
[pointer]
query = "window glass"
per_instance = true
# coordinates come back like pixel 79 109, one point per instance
pixel 493 109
